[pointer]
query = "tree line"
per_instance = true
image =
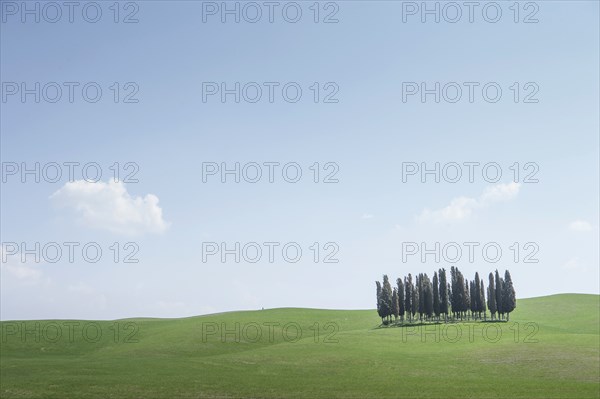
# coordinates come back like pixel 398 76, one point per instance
pixel 437 299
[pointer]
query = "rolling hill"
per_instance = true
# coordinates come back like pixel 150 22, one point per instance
pixel 549 349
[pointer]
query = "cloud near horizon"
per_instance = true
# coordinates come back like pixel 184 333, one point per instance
pixel 12 263
pixel 580 225
pixel 461 208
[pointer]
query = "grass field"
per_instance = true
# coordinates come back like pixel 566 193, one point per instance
pixel 557 356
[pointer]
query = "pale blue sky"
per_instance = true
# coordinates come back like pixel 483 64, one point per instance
pixel 369 133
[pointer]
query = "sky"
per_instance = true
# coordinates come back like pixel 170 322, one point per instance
pixel 182 162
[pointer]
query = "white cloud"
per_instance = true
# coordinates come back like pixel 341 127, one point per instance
pixel 575 265
pixel 463 207
pixel 580 225
pixel 367 216
pixel 108 206
pixel 13 264
pixel 499 192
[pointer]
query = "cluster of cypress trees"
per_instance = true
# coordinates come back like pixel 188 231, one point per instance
pixel 437 299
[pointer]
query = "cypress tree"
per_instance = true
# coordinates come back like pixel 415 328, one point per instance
pixel 449 290
pixel 408 296
pixel 420 285
pixel 386 293
pixel 415 299
pixel 444 294
pixel 498 290
pixel 482 299
pixel 427 296
pixel 461 290
pixel 503 288
pixel 379 301
pixel 466 296
pixel 454 297
pixel 508 295
pixel 395 306
pixel 416 294
pixel 400 298
pixel 477 295
pixel 491 296
pixel 472 300
pixel 436 296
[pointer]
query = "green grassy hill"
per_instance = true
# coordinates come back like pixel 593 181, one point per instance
pixel 557 356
